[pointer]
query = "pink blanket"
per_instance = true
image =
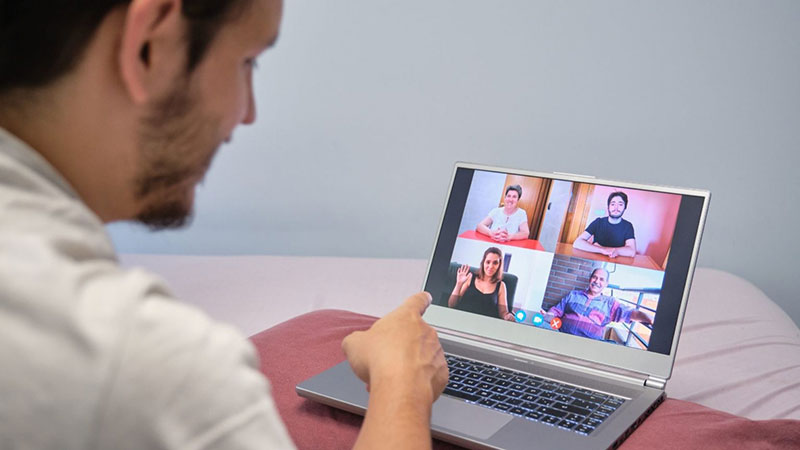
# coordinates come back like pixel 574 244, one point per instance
pixel 306 345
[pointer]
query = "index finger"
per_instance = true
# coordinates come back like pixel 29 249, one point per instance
pixel 418 302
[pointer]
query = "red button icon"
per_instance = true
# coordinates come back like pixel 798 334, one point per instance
pixel 555 323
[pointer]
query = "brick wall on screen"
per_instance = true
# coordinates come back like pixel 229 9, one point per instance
pixel 566 274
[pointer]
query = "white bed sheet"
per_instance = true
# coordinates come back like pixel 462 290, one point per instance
pixel 739 352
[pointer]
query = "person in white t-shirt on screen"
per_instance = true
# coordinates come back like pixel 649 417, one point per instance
pixel 508 222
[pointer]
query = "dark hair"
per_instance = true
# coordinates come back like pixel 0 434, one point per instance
pixel 516 188
pixel 619 194
pixel 497 275
pixel 41 40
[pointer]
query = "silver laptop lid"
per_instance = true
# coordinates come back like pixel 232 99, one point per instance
pixel 560 302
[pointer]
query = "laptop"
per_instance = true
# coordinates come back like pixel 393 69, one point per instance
pixel 558 299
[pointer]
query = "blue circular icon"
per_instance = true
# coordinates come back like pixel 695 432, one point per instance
pixel 520 315
pixel 537 319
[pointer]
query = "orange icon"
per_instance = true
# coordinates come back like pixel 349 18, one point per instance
pixel 555 323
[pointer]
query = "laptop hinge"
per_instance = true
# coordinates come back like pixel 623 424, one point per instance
pixel 655 382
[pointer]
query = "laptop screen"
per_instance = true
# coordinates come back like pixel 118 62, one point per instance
pixel 601 261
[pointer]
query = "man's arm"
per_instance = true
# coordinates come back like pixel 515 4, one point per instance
pixel 628 250
pixel 583 243
pixel 555 310
pixel 403 364
pixel 224 400
pixel 398 415
pixel 612 252
pixel 641 316
pixel 620 313
pixel 550 314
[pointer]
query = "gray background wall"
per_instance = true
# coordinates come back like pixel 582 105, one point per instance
pixel 364 106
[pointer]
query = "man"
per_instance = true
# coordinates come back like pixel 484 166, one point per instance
pixel 112 110
pixel 508 222
pixel 587 312
pixel 612 236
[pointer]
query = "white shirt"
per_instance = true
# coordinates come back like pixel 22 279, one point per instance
pixel 500 220
pixel 94 356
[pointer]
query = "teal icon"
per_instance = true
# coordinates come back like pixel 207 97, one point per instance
pixel 537 319
pixel 520 315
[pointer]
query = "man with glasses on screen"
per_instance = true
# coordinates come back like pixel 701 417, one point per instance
pixel 587 312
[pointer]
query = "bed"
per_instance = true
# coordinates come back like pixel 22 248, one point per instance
pixel 736 379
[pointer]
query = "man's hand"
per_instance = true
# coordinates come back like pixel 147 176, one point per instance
pixel 401 349
pixel 611 252
pixel 403 364
pixel 641 316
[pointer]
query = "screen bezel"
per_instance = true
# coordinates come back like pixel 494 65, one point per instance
pixel 539 340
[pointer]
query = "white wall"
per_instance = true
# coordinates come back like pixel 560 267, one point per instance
pixel 364 105
pixel 484 196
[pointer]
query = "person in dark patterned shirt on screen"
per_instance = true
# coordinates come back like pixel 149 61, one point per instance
pixel 587 312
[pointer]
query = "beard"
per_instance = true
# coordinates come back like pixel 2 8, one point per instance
pixel 177 146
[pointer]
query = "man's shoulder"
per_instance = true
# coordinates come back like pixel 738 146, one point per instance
pixel 131 341
pixel 598 222
pixel 38 204
pixel 173 347
pixel 576 293
pixel 627 229
pixel 26 169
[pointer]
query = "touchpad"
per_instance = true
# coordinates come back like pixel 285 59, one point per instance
pixel 466 419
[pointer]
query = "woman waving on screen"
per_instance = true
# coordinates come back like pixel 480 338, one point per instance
pixel 484 293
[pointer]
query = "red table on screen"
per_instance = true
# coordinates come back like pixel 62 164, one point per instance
pixel 531 244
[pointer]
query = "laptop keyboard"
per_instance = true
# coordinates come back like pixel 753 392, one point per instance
pixel 539 399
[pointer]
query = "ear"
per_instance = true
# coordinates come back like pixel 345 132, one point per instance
pixel 152 48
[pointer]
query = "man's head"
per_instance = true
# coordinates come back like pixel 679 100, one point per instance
pixel 41 40
pixel 598 281
pixel 513 194
pixel 151 88
pixel 617 204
